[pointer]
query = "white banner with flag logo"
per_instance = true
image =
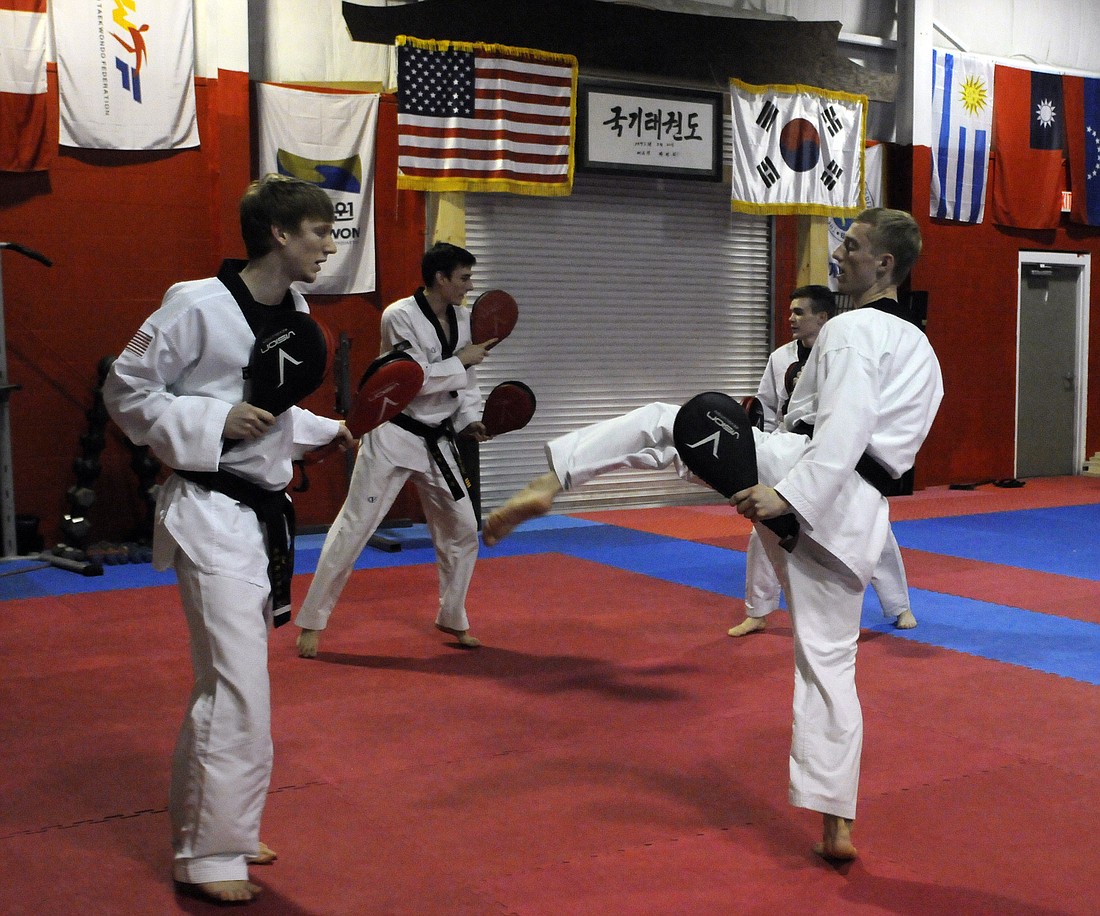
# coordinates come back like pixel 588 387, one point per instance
pixel 797 149
pixel 327 138
pixel 874 193
pixel 962 132
pixel 126 73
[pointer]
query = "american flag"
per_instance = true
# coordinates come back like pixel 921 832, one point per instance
pixel 475 117
pixel 139 343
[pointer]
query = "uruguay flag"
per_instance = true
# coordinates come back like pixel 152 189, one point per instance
pixel 962 122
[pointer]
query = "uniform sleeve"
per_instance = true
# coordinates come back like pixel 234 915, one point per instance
pixel 447 375
pixel 185 432
pixel 768 395
pixel 848 399
pixel 311 431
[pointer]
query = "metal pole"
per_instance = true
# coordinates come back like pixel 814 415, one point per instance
pixel 7 489
pixel 7 486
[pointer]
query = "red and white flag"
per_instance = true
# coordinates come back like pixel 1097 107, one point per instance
pixel 23 86
pixel 126 73
pixel 474 117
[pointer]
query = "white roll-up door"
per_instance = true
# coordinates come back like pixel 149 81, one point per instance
pixel 630 290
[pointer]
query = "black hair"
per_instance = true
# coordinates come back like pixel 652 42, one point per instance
pixel 443 257
pixel 821 298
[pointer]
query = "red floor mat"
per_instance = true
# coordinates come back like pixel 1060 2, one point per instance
pixel 609 751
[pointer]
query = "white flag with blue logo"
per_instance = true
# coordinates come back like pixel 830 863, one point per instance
pixel 962 128
pixel 797 149
pixel 326 137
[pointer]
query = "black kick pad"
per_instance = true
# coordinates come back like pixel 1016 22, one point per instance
pixel 713 436
pixel 288 362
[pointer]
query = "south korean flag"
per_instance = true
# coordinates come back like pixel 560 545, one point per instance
pixel 797 149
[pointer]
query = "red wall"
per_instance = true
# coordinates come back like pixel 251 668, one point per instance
pixel 121 227
pixel 971 276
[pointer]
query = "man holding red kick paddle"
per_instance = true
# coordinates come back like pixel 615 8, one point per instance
pixel 417 444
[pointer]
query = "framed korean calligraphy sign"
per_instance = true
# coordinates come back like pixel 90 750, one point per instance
pixel 627 129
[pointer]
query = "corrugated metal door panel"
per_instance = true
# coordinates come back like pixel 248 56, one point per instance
pixel 631 290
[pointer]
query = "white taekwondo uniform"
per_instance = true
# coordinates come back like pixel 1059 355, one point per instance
pixel 772 391
pixel 389 456
pixel 172 389
pixel 872 385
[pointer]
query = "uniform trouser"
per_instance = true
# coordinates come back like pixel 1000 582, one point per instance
pixel 221 767
pixel 826 601
pixel 762 586
pixel 824 596
pixel 375 484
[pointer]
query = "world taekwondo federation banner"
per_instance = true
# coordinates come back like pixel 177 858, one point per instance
pixel 797 149
pixel 327 138
pixel 962 131
pixel 126 73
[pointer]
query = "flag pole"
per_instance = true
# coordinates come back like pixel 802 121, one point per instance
pixel 7 487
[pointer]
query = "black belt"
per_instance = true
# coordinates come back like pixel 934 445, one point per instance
pixel 431 436
pixel 867 467
pixel 275 512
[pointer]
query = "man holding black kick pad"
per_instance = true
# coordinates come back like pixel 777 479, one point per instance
pixel 860 411
pixel 209 383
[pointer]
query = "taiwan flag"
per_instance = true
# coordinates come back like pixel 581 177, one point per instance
pixel 1082 95
pixel 1029 172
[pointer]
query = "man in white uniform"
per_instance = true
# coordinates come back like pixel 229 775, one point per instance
pixel 811 307
pixel 864 404
pixel 179 387
pixel 418 444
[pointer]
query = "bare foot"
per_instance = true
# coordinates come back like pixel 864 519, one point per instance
pixel 905 620
pixel 265 855
pixel 222 891
pixel 309 641
pixel 463 636
pixel 836 839
pixel 748 625
pixel 537 498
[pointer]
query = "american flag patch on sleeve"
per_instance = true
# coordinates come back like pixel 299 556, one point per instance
pixel 139 343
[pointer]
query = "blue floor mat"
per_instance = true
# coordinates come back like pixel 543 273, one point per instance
pixel 1061 540
pixel 1042 642
pixel 1047 540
